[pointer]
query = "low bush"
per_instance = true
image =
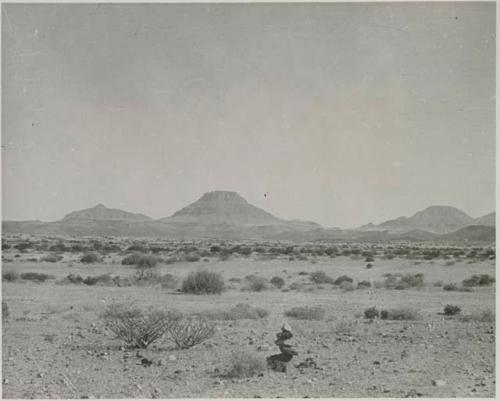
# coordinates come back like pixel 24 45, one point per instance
pixel 347 286
pixel 10 275
pixel 341 279
pixel 278 282
pixel 238 312
pixel 478 280
pixel 203 282
pixel 5 310
pixel 451 310
pixel 246 364
pixel 401 314
pixel 188 332
pixel 306 313
pixel 369 265
pixel 450 287
pixel 103 279
pixel 320 277
pixel 51 258
pixel 364 284
pixel 33 276
pixel 90 257
pixel 137 328
pixel 371 313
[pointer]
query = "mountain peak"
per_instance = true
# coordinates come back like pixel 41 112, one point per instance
pixel 223 207
pixel 101 212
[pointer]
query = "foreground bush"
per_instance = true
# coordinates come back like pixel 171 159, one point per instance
pixel 400 314
pixel 246 364
pixel 203 282
pixel 306 313
pixel 188 332
pixel 90 257
pixel 137 328
pixel 10 275
pixel 238 312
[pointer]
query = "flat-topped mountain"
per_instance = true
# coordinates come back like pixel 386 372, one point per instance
pixel 224 207
pixel 101 212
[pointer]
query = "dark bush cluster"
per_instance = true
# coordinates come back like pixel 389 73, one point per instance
pixel 451 310
pixel 478 280
pixel 278 282
pixel 90 257
pixel 37 277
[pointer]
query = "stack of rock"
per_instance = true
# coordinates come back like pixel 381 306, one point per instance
pixel 278 362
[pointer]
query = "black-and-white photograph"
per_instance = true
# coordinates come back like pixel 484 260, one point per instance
pixel 248 200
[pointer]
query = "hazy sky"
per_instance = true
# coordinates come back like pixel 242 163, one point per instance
pixel 340 113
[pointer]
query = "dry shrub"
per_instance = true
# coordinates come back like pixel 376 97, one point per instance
pixel 278 282
pixel 306 313
pixel 10 275
pixel 188 332
pixel 246 364
pixel 240 311
pixel 320 277
pixel 90 257
pixel 137 328
pixel 451 310
pixel 203 282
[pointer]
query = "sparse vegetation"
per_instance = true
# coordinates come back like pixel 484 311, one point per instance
pixel 478 280
pixel 486 316
pixel 240 311
pixel 33 276
pixel 401 314
pixel 256 283
pixel 306 313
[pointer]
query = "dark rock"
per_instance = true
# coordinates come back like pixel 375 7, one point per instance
pixel 278 362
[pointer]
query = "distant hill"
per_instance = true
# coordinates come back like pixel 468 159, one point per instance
pixel 101 212
pixel 472 233
pixel 486 220
pixel 226 215
pixel 223 207
pixel 434 219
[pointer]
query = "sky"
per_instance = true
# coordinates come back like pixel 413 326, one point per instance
pixel 342 114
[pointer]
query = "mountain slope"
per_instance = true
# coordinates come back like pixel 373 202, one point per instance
pixel 101 212
pixel 486 220
pixel 472 233
pixel 223 207
pixel 434 219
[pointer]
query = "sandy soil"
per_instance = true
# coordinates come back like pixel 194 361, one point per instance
pixel 55 345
